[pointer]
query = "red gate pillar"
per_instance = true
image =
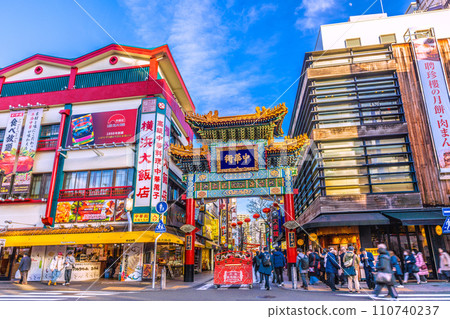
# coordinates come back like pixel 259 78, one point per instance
pixel 291 241
pixel 189 243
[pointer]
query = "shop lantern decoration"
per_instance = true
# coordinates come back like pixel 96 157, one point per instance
pixel 247 220
pixel 233 225
pixel 256 216
pixel 240 222
pixel 266 210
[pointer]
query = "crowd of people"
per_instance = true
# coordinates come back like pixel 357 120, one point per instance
pixel 344 267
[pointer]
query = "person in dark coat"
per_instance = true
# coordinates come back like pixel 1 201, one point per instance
pixel 24 267
pixel 264 268
pixel 410 265
pixel 322 265
pixel 397 270
pixel 331 268
pixel 256 262
pixel 367 261
pixel 343 276
pixel 314 262
pixel 279 262
pixel 384 266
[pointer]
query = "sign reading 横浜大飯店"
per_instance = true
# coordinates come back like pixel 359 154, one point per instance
pixel 237 159
pixel 435 92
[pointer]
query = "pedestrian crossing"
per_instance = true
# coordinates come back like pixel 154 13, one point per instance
pixel 403 297
pixel 211 285
pixel 53 295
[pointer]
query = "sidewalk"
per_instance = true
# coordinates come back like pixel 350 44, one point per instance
pixel 430 287
pixel 110 285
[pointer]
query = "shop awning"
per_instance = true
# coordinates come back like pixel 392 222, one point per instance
pixel 418 217
pixel 89 238
pixel 354 219
pixel 211 244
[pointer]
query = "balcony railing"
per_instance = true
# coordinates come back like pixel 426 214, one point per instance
pixel 95 193
pixel 47 145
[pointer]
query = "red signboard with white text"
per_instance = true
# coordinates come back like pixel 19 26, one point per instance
pixel 102 127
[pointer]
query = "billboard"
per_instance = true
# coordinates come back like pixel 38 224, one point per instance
pixel 103 210
pixel 22 180
pixel 9 149
pixel 102 127
pixel 435 92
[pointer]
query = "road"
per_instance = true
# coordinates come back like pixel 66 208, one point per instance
pixel 207 292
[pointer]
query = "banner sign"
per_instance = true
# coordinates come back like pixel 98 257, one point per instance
pixel 237 159
pixel 22 180
pixel 102 210
pixel 435 92
pixel 9 149
pixel 152 178
pixel 103 127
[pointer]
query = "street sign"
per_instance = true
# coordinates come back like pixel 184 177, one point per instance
pixel 446 227
pixel 446 211
pixel 187 228
pixel 160 228
pixel 161 207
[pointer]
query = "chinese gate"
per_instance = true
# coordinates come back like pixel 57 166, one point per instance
pixel 239 158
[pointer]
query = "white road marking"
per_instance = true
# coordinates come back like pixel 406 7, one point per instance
pixel 205 287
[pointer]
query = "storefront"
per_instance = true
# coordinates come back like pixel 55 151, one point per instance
pixel 93 252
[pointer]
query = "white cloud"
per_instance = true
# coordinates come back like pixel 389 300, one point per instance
pixel 313 13
pixel 204 46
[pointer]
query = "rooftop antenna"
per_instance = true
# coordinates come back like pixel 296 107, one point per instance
pixel 382 9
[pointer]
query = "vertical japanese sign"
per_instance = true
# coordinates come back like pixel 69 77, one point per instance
pixel 152 176
pixel 9 149
pixel 30 137
pixel 436 97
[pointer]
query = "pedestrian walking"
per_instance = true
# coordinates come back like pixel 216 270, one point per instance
pixel 322 255
pixel 24 267
pixel 279 262
pixel 314 262
pixel 331 268
pixel 256 262
pixel 423 268
pixel 367 260
pixel 342 275
pixel 384 276
pixel 69 263
pixel 351 261
pixel 302 267
pixel 56 266
pixel 110 264
pixel 397 270
pixel 266 266
pixel 410 266
pixel 444 264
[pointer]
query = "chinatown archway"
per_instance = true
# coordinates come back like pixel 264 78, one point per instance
pixel 239 157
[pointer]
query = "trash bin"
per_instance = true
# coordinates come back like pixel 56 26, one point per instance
pixel 107 273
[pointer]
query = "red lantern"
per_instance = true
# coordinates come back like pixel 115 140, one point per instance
pixel 223 227
pixel 256 216
pixel 240 222
pixel 247 220
pixel 266 210
pixel 233 225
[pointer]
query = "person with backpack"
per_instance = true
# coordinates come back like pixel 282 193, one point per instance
pixel 351 260
pixel 302 265
pixel 256 262
pixel 331 268
pixel 69 263
pixel 279 262
pixel 266 266
pixel 410 267
pixel 384 273
pixel 367 260
pixel 314 264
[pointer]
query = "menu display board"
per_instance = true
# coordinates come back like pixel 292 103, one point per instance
pixel 106 210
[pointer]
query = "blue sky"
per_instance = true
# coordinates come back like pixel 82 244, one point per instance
pixel 233 55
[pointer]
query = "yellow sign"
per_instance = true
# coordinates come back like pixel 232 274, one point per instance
pixel 313 236
pixel 141 218
pixel 439 230
pixel 155 218
pixel 374 251
pixel 283 245
pixel 300 242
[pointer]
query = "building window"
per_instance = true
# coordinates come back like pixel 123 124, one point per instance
pixel 40 185
pixel 49 131
pixel 100 178
pixel 388 38
pixel 422 34
pixel 355 42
